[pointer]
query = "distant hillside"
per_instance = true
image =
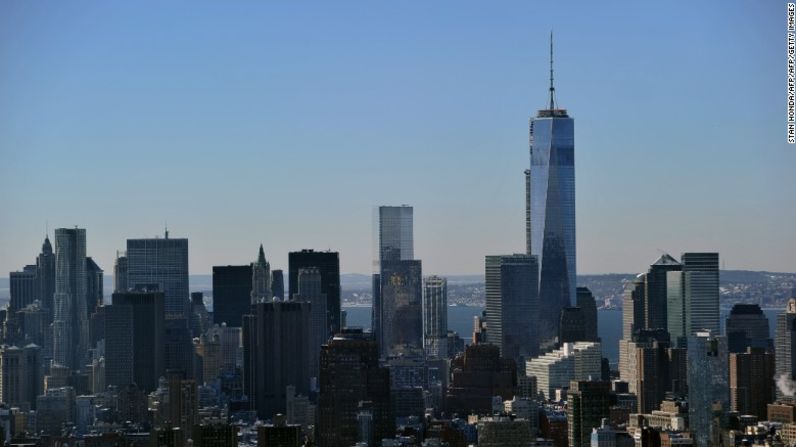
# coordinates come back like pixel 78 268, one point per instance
pixel 770 289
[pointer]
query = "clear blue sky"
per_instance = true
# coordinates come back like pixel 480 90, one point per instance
pixel 245 122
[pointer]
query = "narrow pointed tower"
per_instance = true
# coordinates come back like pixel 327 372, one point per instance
pixel 261 279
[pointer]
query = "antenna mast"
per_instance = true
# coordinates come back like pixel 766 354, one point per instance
pixel 552 89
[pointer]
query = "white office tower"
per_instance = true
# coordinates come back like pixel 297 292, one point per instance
pixel 573 361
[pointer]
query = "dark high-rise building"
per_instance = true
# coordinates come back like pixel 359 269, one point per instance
pixel 785 344
pixel 752 382
pixel 24 287
pixel 478 374
pixel 649 377
pixel 119 356
pixel 94 286
pixel 648 299
pixel 394 241
pixel 678 370
pixel 120 273
pixel 588 308
pixel 572 327
pixel 134 339
pixel 512 305
pixel 178 346
pixel 183 402
pixel 350 374
pixel 587 404
pixel 20 375
pixel 70 322
pixel 45 271
pixel 232 288
pixel 167 437
pixel 96 327
pixel 701 292
pixel 276 354
pixel 310 287
pixel 655 293
pixel 55 407
pixel 747 326
pixel 32 324
pixel 215 435
pixel 552 210
pixel 328 264
pixel 279 434
pixel 278 284
pixel 163 262
pixel 401 307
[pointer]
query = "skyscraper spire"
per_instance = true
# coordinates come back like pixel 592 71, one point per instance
pixel 552 89
pixel 261 256
pixel 261 279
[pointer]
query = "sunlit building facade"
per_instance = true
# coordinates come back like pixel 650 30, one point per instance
pixel 552 212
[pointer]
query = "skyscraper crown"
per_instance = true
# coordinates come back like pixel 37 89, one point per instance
pixel 47 247
pixel 261 256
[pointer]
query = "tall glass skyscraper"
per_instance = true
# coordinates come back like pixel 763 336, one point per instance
pixel 328 264
pixel 163 262
pixel 708 387
pixel 393 242
pixel 394 235
pixel 512 305
pixel 551 201
pixel 435 316
pixel 701 292
pixel 70 322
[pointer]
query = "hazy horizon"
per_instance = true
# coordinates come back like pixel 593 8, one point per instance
pixel 238 124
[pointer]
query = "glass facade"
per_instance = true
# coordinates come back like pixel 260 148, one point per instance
pixel 394 232
pixel 552 213
pixel 512 306
pixel 708 396
pixel 401 306
pixel 70 323
pixel 675 306
pixel 163 262
pixel 435 315
pixel 393 242
pixel 701 291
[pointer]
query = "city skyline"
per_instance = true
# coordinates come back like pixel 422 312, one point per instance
pixel 720 170
pixel 320 137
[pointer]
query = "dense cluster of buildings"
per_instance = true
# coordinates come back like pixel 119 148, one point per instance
pixel 276 364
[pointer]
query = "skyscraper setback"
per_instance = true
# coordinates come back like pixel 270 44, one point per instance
pixel 328 265
pixel 550 212
pixel 397 279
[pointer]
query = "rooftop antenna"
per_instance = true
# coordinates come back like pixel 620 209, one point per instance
pixel 552 89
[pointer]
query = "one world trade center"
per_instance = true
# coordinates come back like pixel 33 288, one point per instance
pixel 550 213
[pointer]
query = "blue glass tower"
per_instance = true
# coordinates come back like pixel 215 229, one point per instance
pixel 551 202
